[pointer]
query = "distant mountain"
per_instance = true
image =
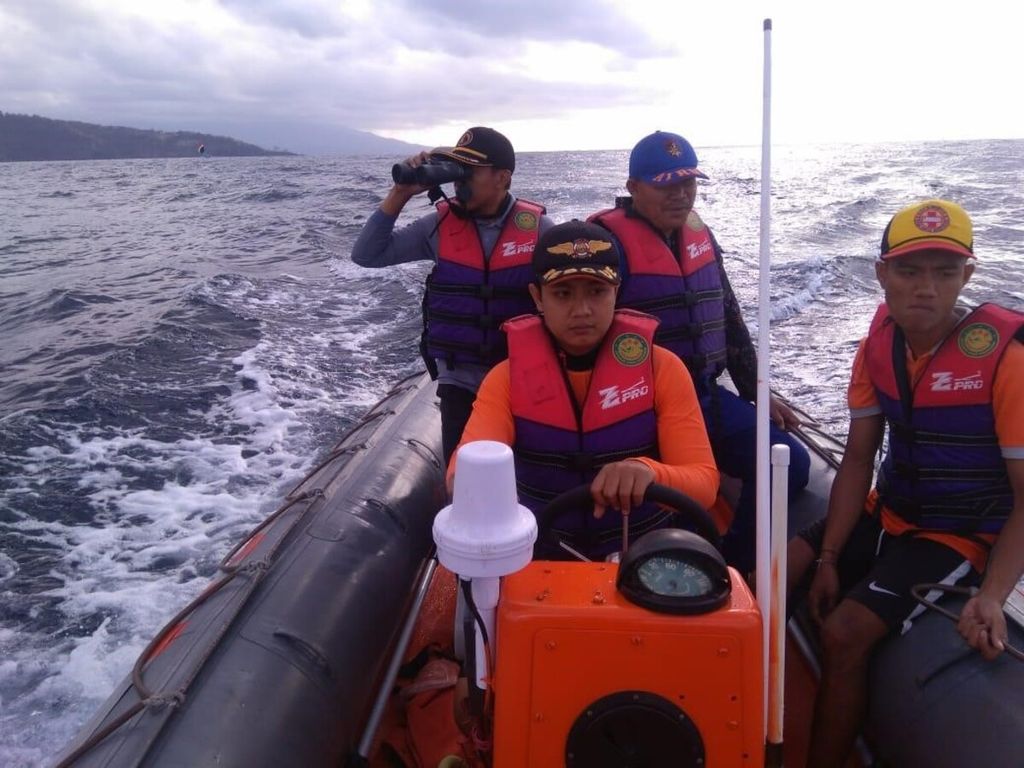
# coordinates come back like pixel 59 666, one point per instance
pixel 309 138
pixel 25 137
pixel 29 137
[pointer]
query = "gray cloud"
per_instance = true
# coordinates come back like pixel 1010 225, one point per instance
pixel 587 21
pixel 250 64
pixel 261 68
pixel 307 19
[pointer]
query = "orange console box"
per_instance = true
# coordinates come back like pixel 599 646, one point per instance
pixel 586 678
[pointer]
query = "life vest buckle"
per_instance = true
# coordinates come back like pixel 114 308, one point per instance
pixel 696 363
pixel 580 462
pixel 690 298
pixel 907 471
pixel 902 430
pixel 909 510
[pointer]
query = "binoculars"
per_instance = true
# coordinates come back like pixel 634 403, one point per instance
pixel 432 173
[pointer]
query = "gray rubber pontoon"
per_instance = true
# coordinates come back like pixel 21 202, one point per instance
pixel 936 703
pixel 280 664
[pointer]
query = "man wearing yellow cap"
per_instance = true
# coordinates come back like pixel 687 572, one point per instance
pixel 948 504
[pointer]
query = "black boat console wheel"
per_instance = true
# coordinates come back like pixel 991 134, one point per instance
pixel 689 513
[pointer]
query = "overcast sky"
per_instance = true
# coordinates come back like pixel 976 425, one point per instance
pixel 552 74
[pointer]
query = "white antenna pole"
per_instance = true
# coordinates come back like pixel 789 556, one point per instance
pixel 763 388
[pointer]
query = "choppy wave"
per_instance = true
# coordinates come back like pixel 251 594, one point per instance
pixel 181 338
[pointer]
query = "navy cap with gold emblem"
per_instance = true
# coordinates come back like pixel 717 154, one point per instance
pixel 576 249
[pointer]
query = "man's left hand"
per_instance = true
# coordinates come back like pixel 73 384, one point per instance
pixel 622 485
pixel 782 415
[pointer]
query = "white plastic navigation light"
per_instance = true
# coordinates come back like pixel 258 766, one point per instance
pixel 485 531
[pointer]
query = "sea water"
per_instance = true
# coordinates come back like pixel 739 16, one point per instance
pixel 181 339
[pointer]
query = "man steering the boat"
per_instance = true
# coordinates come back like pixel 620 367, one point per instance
pixel 673 268
pixel 948 504
pixel 586 397
pixel 480 242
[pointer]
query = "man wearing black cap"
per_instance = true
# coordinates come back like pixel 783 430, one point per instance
pixel 586 397
pixel 481 242
pixel 673 269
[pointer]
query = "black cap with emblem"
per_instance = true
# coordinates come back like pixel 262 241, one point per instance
pixel 481 146
pixel 576 249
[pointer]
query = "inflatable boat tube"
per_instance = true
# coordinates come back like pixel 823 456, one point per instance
pixel 937 703
pixel 277 663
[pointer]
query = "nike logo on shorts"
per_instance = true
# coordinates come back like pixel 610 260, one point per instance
pixel 873 586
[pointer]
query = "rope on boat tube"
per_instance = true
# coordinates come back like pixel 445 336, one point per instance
pixel 341 448
pixel 919 592
pixel 336 453
pixel 158 700
pixel 256 569
pixel 813 436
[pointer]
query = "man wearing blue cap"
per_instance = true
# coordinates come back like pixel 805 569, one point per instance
pixel 673 270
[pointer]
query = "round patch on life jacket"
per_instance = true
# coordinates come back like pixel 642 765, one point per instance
pixel 978 340
pixel 526 221
pixel 630 349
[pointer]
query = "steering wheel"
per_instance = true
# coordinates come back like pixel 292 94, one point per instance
pixel 691 514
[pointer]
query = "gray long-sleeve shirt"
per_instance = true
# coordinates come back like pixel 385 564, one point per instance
pixel 379 245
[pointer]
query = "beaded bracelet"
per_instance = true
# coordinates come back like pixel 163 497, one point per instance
pixel 822 560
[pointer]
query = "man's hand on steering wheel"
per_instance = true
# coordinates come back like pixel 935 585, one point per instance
pixel 621 484
pixel 689 514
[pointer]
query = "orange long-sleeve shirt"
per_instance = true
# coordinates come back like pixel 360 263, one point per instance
pixel 687 463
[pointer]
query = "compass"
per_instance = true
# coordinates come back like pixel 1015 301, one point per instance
pixel 674 571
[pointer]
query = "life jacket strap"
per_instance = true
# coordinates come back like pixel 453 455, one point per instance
pixel 582 461
pixel 912 434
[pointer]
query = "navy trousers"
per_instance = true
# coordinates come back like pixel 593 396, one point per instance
pixel 732 425
pixel 456 407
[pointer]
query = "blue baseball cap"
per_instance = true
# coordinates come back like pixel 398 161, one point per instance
pixel 663 158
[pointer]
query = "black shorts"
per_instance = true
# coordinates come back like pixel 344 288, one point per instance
pixel 878 569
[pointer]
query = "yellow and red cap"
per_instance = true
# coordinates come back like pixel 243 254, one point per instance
pixel 928 225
